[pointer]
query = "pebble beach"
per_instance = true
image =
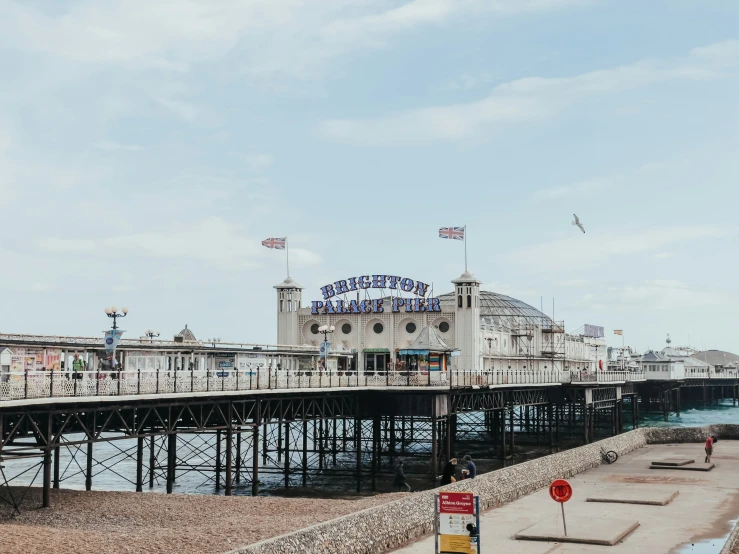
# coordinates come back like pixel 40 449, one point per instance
pixel 92 522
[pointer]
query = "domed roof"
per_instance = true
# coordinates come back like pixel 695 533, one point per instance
pixel 288 283
pixel 501 310
pixel 717 357
pixel 185 336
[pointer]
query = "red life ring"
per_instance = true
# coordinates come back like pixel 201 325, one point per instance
pixel 600 364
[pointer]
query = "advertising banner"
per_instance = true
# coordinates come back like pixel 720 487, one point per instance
pixel 458 523
pixel 251 363
pixel 111 340
pixel 225 362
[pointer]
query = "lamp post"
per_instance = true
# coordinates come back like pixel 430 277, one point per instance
pixel 113 312
pixel 213 341
pixel 326 330
pixel 151 335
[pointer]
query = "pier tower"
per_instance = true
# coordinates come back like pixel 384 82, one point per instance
pixel 289 297
pixel 467 321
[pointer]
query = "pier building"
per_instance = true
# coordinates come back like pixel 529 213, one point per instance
pixel 470 329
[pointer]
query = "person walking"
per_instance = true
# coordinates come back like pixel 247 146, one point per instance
pixel 710 441
pixel 400 480
pixel 447 478
pixel 471 469
pixel 78 366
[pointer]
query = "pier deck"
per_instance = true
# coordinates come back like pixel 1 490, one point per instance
pixel 701 513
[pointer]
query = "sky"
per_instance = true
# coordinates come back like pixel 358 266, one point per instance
pixel 147 148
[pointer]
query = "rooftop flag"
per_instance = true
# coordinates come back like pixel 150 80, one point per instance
pixel 275 244
pixel 618 332
pixel 279 244
pixel 454 233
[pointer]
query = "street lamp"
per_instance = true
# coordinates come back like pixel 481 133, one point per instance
pixel 213 341
pixel 326 330
pixel 113 312
pixel 151 334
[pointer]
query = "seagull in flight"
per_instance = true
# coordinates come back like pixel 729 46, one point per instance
pixel 577 222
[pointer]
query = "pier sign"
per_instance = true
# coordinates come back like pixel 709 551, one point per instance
pixel 331 305
pixel 457 523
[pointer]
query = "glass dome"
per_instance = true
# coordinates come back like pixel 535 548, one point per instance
pixel 501 310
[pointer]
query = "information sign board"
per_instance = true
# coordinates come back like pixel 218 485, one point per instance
pixel 457 523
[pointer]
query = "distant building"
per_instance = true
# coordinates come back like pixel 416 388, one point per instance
pixel 719 359
pixel 186 335
pixel 658 366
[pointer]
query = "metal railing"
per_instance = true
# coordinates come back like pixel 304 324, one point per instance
pixel 510 377
pixel 606 377
pixel 713 374
pixel 53 384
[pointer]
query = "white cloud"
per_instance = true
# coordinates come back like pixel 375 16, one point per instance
pixel 118 147
pixel 597 248
pixel 258 162
pixel 466 82
pixel 529 99
pixel 286 37
pixel 580 188
pixel 210 239
pixel 663 255
pixel 656 294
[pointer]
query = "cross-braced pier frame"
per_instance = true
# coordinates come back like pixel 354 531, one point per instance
pixel 317 437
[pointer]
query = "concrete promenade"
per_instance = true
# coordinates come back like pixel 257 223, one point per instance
pixel 697 520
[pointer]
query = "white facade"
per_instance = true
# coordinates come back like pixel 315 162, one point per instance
pixel 491 332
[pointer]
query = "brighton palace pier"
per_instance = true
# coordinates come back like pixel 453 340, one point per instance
pixel 373 369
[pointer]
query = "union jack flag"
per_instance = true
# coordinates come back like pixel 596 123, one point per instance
pixel 276 244
pixel 455 233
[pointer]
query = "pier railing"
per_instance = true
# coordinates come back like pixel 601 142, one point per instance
pixel 607 377
pixel 53 384
pixel 511 377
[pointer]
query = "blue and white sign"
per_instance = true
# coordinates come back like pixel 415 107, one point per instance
pixel 325 349
pixel 111 340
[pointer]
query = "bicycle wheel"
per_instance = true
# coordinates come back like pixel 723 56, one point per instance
pixel 611 456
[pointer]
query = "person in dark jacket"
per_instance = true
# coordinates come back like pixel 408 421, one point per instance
pixel 448 477
pixel 400 480
pixel 471 467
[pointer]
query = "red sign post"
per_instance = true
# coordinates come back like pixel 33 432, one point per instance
pixel 561 491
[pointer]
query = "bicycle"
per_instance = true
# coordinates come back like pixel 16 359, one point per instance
pixel 608 457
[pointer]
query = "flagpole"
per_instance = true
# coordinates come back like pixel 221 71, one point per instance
pixel 287 255
pixel 465 248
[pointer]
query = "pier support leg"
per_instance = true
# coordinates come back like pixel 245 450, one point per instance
pixel 358 437
pixel 434 446
pixel 550 426
pixel 238 456
pixel 334 445
pixel 152 461
pixel 585 423
pixel 255 450
pixel 57 463
pixel 88 472
pixel 46 493
pixel 287 454
pixel 218 460
pixel 171 461
pixel 503 449
pixel 229 460
pixel 513 436
pixel 304 481
pixel 140 464
pixel 375 448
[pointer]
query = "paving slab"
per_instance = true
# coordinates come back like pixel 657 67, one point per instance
pixel 604 532
pixel 673 462
pixel 689 467
pixel 647 496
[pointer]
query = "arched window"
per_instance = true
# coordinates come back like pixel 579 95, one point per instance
pixel 459 301
pixel 282 307
pixel 289 305
pixel 469 300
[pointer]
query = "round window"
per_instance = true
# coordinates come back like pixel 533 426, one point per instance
pixel 377 328
pixel 443 327
pixel 346 328
pixel 410 328
pixel 314 328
